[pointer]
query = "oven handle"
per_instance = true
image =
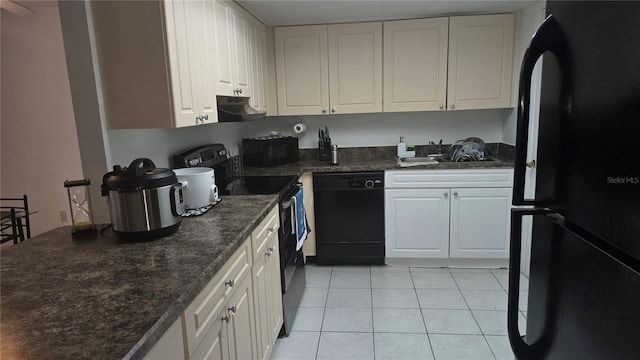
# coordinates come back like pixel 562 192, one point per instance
pixel 286 204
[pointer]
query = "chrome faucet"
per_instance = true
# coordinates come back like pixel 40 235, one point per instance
pixel 439 145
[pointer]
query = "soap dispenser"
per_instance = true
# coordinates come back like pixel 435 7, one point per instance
pixel 405 150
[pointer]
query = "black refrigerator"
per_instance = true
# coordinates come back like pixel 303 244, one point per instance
pixel 584 285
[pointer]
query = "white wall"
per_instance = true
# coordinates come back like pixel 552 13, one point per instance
pixel 385 129
pixel 159 144
pixel 527 22
pixel 39 140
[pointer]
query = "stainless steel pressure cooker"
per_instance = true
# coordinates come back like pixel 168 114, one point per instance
pixel 144 201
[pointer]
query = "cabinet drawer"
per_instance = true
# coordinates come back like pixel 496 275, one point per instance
pixel 200 315
pixel 260 236
pixel 415 179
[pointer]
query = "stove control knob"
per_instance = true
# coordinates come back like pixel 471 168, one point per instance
pixel 368 184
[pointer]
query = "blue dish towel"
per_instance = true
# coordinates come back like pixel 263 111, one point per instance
pixel 299 223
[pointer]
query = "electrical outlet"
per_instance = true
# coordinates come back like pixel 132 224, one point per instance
pixel 63 216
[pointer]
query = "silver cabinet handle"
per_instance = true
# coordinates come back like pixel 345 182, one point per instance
pixel 455 193
pixel 226 318
pixel 446 194
pixel 441 106
pixel 230 283
pixel 334 109
pixel 269 252
pixel 232 309
pixel 532 164
pixel 205 117
pixel 453 106
pixel 324 110
pixel 270 229
pixel 198 117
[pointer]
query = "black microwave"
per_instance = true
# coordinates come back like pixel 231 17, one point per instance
pixel 270 151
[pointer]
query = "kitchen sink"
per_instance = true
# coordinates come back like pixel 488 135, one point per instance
pixel 437 157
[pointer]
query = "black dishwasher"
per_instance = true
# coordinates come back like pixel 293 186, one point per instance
pixel 349 212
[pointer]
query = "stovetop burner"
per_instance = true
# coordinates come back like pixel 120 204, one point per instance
pixel 261 185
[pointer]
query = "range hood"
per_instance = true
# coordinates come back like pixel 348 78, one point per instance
pixel 237 108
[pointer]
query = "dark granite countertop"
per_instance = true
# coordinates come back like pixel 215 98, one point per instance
pixel 382 163
pixel 103 298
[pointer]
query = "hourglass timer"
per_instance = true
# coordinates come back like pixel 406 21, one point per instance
pixel 80 205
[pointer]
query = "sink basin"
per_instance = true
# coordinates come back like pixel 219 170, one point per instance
pixel 422 159
pixel 437 157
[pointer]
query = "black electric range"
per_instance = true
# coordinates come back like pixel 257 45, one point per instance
pixel 230 181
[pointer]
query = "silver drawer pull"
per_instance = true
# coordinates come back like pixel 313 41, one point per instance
pixel 226 318
pixel 232 309
pixel 270 228
pixel 230 283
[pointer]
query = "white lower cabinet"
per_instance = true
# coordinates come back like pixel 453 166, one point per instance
pixel 479 223
pixel 458 214
pixel 238 314
pixel 417 223
pixel 266 285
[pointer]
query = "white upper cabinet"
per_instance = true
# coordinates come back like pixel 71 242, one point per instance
pixel 480 61
pixel 257 65
pixel 355 67
pixel 302 70
pixel 241 35
pixel 225 41
pixel 415 64
pixel 323 69
pixel 166 83
pixel 183 50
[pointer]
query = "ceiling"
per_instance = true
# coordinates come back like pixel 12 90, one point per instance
pixel 297 12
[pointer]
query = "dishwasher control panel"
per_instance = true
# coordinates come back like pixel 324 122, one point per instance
pixel 349 181
pixel 369 183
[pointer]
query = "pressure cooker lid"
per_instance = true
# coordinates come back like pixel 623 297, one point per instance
pixel 141 174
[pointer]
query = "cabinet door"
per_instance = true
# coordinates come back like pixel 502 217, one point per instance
pixel 301 70
pixel 257 65
pixel 355 67
pixel 417 223
pixel 261 300
pixel 415 64
pixel 241 328
pixel 480 223
pixel 182 41
pixel 274 289
pixel 224 46
pixel 241 35
pixel 208 66
pixel 480 61
pixel 215 344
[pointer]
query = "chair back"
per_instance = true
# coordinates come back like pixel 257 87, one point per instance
pixel 17 210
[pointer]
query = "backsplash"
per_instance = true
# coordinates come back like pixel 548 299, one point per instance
pixel 370 132
pixel 381 152
pixel 385 129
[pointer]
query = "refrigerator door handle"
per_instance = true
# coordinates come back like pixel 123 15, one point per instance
pixel 547 38
pixel 521 349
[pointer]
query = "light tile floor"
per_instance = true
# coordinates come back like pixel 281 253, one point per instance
pixel 383 312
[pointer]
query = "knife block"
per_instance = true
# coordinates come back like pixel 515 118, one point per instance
pixel 324 150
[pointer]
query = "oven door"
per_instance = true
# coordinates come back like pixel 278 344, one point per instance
pixel 290 259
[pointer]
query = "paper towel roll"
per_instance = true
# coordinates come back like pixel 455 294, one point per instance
pixel 299 128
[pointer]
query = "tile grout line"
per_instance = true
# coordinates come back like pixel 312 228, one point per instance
pixel 424 322
pixel 373 329
pixel 324 311
pixel 472 315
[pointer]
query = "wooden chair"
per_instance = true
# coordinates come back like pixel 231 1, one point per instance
pixel 12 226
